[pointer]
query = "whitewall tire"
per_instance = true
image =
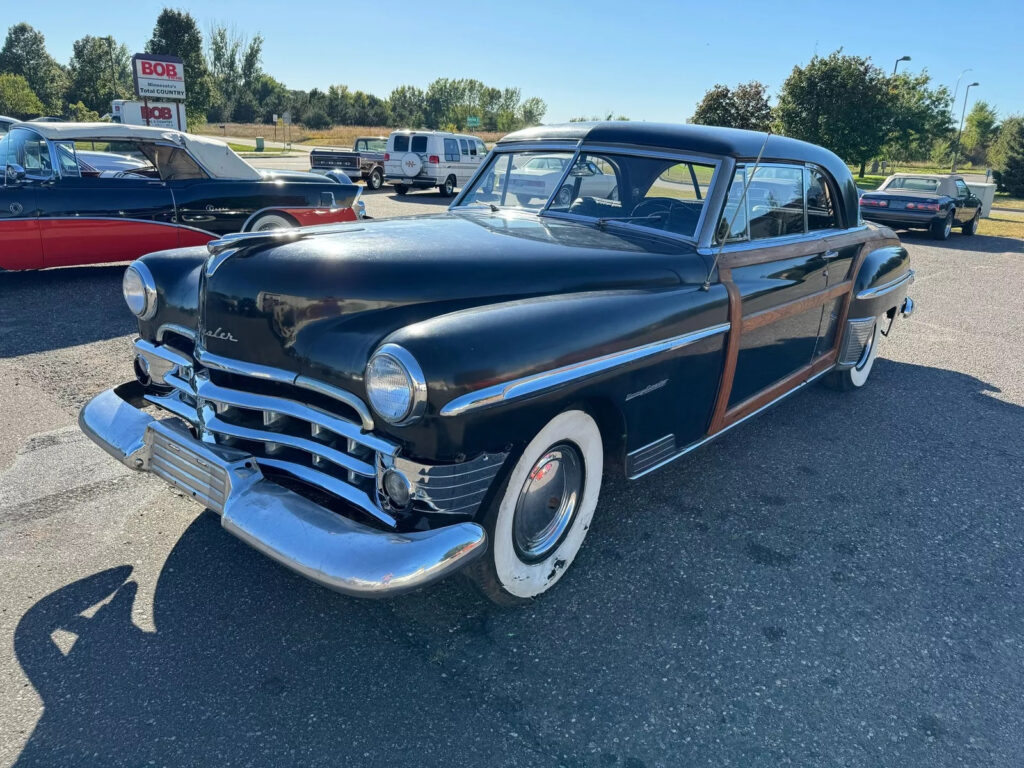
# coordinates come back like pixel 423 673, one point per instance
pixel 857 376
pixel 538 522
pixel 270 221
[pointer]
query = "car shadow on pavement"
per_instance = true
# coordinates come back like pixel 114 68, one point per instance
pixel 835 582
pixel 958 242
pixel 55 308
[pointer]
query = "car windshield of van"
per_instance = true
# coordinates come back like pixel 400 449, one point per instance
pixel 661 193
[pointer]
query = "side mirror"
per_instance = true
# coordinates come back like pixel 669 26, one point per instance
pixel 15 173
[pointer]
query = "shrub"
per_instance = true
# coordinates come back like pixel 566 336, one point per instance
pixel 1008 156
pixel 317 119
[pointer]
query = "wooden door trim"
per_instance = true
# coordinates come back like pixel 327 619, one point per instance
pixel 732 350
pixel 795 306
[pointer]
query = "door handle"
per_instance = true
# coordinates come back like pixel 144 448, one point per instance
pixel 831 254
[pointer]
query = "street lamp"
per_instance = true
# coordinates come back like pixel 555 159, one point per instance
pixel 901 58
pixel 961 133
pixel 956 88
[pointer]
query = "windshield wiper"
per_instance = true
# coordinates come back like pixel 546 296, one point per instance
pixel 606 220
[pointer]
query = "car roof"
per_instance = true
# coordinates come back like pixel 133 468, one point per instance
pixel 909 175
pixel 216 157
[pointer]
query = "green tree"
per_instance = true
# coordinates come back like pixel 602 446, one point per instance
pixel 100 70
pixel 746 106
pixel 17 99
pixel 235 66
pixel 840 102
pixel 24 53
pixel 919 117
pixel 177 34
pixel 79 113
pixel 532 111
pixel 406 106
pixel 980 130
pixel 1007 156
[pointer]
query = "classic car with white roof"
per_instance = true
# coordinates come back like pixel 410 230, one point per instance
pixel 539 176
pixel 937 202
pixel 80 193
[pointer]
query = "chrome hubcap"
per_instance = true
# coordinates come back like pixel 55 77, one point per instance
pixel 949 226
pixel 547 502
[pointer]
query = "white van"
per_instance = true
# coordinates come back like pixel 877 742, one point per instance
pixel 431 159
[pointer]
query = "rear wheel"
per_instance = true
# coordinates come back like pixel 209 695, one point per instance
pixel 270 221
pixel 941 229
pixel 375 179
pixel 857 376
pixel 401 189
pixel 564 197
pixel 971 226
pixel 537 524
pixel 448 188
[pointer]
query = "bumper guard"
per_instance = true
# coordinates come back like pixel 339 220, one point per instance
pixel 322 545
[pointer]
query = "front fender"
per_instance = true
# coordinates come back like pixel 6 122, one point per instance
pixel 473 352
pixel 176 273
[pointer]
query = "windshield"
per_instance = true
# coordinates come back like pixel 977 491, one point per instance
pixel 666 194
pixel 914 183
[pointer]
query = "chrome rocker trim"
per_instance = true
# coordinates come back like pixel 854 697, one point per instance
pixel 540 382
pixel 317 543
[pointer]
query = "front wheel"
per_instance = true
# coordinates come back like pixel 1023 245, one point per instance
pixel 941 229
pixel 857 376
pixel 971 226
pixel 538 522
pixel 448 188
pixel 375 179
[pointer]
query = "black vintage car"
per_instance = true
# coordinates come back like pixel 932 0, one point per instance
pixel 379 405
pixel 81 193
pixel 936 202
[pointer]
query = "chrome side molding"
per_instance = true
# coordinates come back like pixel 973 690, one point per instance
pixel 878 290
pixel 541 382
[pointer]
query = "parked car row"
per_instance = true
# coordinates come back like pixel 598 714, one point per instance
pixel 381 405
pixel 407 159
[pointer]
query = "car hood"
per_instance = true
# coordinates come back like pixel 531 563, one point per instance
pixel 319 304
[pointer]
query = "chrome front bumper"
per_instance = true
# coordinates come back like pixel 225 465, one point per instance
pixel 314 541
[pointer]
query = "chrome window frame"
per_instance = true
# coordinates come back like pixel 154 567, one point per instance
pixel 54 160
pixel 502 149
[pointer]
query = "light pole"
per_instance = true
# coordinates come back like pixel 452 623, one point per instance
pixel 901 58
pixel 956 88
pixel 961 133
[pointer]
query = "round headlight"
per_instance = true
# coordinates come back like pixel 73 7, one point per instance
pixel 395 385
pixel 139 290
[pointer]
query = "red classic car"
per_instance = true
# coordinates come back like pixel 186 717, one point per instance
pixel 59 207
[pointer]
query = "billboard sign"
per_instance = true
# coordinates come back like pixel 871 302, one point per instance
pixel 158 77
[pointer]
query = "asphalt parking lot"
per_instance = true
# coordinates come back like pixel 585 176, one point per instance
pixel 835 583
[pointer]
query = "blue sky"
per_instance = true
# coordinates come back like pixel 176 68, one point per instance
pixel 647 60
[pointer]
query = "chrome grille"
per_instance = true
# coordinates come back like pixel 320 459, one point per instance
pixel 858 333
pixel 179 466
pixel 452 489
pixel 307 442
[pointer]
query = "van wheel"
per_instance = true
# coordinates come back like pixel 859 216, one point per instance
pixel 941 229
pixel 401 189
pixel 537 523
pixel 971 226
pixel 375 179
pixel 271 221
pixel 448 188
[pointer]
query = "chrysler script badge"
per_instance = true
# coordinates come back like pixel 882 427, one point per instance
pixel 221 334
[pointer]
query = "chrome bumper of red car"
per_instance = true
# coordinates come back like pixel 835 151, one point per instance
pixel 312 540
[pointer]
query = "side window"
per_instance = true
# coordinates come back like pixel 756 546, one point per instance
pixel 732 227
pixel 451 151
pixel 30 151
pixel 67 159
pixel 360 146
pixel 775 202
pixel 419 144
pixel 961 188
pixel 480 148
pixel 464 145
pixel 401 143
pixel 821 212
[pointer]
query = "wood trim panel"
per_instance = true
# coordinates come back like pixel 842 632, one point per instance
pixel 795 307
pixel 779 388
pixel 732 350
pixel 751 256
